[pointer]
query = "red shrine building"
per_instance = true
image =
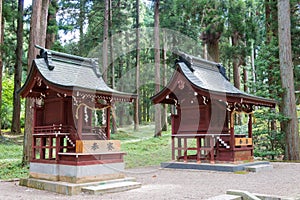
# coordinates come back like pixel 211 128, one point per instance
pixel 211 119
pixel 71 123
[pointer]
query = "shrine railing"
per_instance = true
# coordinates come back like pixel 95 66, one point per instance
pixel 48 141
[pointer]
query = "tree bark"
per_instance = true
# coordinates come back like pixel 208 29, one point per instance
pixel 16 126
pixel 1 64
pixel 137 67
pixel 165 106
pixel 51 34
pixel 37 35
pixel 213 49
pixel 287 80
pixel 211 42
pixel 112 67
pixel 245 73
pixel 81 24
pixel 105 40
pixel 157 68
pixel 235 63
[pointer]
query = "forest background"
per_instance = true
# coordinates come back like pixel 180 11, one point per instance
pixel 242 35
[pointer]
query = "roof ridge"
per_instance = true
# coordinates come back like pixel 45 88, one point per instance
pixel 193 61
pixel 50 55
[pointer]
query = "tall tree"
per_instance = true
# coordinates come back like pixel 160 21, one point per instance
pixel 290 126
pixel 52 27
pixel 16 126
pixel 213 12
pixel 157 67
pixel 1 63
pixel 137 65
pixel 37 35
pixel 105 40
pixel 164 82
pixel 81 19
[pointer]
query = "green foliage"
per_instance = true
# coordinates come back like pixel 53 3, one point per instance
pixel 268 73
pixel 268 143
pixel 142 148
pixel 12 169
pixel 10 158
pixel 7 103
pixel 147 152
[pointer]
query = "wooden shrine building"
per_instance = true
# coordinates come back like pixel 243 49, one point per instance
pixel 71 123
pixel 211 119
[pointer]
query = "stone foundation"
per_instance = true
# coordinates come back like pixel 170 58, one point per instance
pixel 76 174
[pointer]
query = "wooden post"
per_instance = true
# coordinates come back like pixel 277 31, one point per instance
pixel 108 123
pixel 232 142
pixel 51 148
pixel 212 153
pixel 79 123
pixel 179 146
pixel 33 150
pixel 173 147
pixel 250 126
pixel 185 149
pixel 57 147
pixel 198 149
pixel 250 130
pixel 43 150
pixel 33 155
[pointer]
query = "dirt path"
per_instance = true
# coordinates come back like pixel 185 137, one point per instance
pixel 157 183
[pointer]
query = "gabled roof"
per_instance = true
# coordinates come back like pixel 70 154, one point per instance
pixel 69 72
pixel 210 77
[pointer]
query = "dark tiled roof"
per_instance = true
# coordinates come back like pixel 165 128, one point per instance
pixel 209 76
pixel 71 72
pixel 208 79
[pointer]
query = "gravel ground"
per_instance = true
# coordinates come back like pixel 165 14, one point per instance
pixel 283 180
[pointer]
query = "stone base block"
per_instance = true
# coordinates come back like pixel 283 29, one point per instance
pixel 76 174
pixel 65 187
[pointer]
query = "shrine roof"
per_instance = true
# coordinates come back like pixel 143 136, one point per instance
pixel 210 77
pixel 71 72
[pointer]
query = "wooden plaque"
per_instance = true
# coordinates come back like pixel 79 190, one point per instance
pixel 243 141
pixel 97 146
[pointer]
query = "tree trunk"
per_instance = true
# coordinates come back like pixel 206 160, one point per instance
pixel 157 68
pixel 1 64
pixel 81 24
pixel 253 65
pixel 165 106
pixel 213 50
pixel 16 126
pixel 112 67
pixel 287 80
pixel 37 35
pixel 105 40
pixel 245 73
pixel 121 105
pixel 51 34
pixel 211 45
pixel 137 67
pixel 235 63
pixel 271 19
